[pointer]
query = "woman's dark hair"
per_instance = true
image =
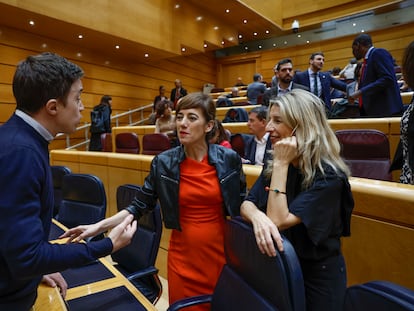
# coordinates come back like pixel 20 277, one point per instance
pixel 218 128
pixel 162 105
pixel 105 99
pixel 408 65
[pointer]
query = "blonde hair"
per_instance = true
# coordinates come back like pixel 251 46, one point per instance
pixel 317 143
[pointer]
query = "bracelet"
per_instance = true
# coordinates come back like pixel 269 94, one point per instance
pixel 274 190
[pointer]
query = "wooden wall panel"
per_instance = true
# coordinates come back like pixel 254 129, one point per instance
pixel 131 84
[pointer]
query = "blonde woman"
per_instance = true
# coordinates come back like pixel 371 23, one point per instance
pixel 304 192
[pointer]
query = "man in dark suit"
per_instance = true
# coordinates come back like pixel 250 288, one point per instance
pixel 378 91
pixel 319 83
pixel 284 76
pixel 177 92
pixel 258 142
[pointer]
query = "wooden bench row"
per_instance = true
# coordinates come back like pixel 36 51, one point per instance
pixel 381 244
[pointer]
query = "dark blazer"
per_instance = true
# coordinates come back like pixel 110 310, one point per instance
pixel 163 183
pixel 183 92
pixel 273 92
pixel 380 92
pixel 250 148
pixel 327 81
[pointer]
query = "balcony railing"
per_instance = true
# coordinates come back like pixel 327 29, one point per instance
pixel 137 113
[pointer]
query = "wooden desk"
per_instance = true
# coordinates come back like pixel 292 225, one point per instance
pixel 49 298
pixel 406 97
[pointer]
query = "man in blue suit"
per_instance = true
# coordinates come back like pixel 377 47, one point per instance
pixel 319 83
pixel 378 91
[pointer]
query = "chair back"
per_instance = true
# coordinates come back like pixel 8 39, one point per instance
pixel 58 171
pixel 275 281
pixel 127 143
pixel 83 200
pixel 106 142
pixel 141 253
pixel 367 152
pixel 155 143
pixel 379 296
pixel 238 144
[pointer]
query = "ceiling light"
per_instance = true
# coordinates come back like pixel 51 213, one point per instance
pixel 199 18
pixel 254 33
pixel 79 54
pixel 177 6
pixel 240 36
pixel 216 28
pixel 245 21
pixel 205 45
pixel 231 38
pixel 117 47
pixel 31 23
pixel 259 46
pixel 353 24
pixel 267 31
pixel 307 41
pixel 182 49
pixel 222 42
pixel 299 35
pixel 246 47
pixel 146 55
pixel 80 36
pixel 274 44
pixel 44 45
pixel 227 11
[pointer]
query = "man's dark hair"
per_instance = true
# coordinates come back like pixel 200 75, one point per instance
pixel 363 39
pixel 316 54
pixel 256 76
pixel 282 62
pixel 261 112
pixel 43 77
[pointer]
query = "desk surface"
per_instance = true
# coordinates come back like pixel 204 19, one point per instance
pixel 121 289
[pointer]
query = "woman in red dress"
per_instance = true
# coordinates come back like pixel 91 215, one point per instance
pixel 197 184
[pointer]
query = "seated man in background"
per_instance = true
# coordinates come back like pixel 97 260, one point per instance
pixel 225 100
pixel 258 142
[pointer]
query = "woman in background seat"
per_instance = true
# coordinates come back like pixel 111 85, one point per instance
pixel 197 185
pixel 219 135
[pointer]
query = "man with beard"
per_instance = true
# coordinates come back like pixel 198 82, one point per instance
pixel 284 74
pixel 318 82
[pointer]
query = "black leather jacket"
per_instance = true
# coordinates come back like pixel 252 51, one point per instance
pixel 163 183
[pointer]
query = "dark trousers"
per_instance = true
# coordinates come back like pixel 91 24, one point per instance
pixel 325 284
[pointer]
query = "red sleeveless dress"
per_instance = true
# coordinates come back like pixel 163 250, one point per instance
pixel 196 254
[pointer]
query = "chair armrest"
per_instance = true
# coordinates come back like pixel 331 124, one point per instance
pixel 144 272
pixel 188 302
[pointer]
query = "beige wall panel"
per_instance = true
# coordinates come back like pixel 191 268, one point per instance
pixel 378 250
